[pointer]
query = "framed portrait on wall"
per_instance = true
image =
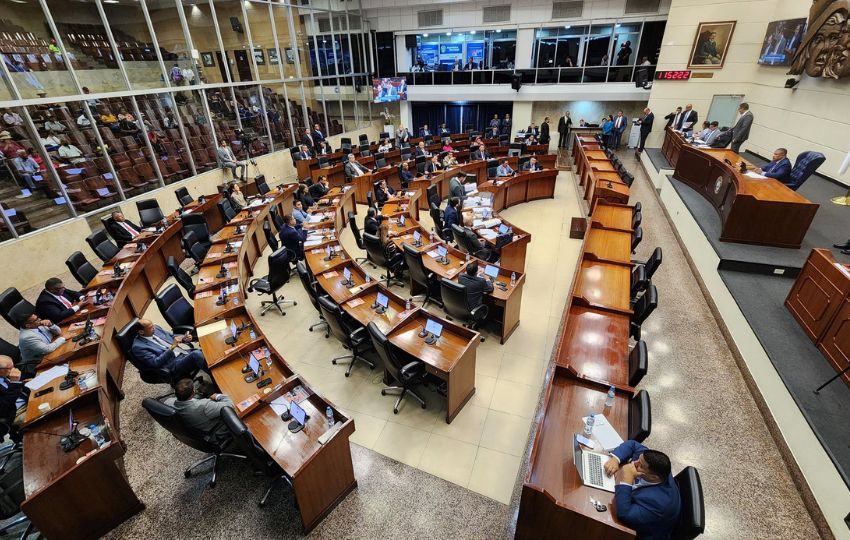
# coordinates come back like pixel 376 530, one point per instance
pixel 208 59
pixel 259 56
pixel 290 56
pixel 273 57
pixel 711 44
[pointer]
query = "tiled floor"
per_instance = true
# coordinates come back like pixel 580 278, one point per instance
pixel 487 439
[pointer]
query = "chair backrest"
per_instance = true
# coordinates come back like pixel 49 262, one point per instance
pixel 628 178
pixel 645 305
pixel 374 249
pixel 380 160
pixel 437 218
pixel 491 172
pixel 332 314
pixel 101 245
pixel 364 139
pixel 226 209
pixel 639 280
pixel 460 236
pixel 107 222
pixel 433 195
pixel 637 219
pixel 149 212
pixel 195 222
pixel 471 241
pixel 262 185
pixel 279 268
pixel 370 199
pixel 125 337
pixel 10 298
pixel 640 416
pixel 692 513
pixel 455 300
pixel 270 237
pixel 175 309
pixel 415 266
pixel 183 197
pixel 12 351
pixel 637 237
pixel 304 275
pixel 638 207
pixel 653 262
pixel 246 442
pixel 193 248
pixel 806 164
pixel 180 275
pixel 355 230
pixel 382 346
pixel 81 268
pixel 638 363
pixel 167 417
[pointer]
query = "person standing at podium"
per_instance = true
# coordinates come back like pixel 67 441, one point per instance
pixel 647 496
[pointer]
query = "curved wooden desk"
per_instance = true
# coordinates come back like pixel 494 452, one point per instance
pixel 752 211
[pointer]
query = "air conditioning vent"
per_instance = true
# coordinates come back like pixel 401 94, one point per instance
pixel 642 6
pixel 567 10
pixel 496 14
pixel 430 18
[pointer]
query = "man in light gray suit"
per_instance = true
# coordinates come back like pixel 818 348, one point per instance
pixel 741 129
pixel 353 168
pixel 200 414
pixel 456 187
pixel 38 337
pixel 229 161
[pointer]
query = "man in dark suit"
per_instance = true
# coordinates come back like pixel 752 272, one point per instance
pixel 425 132
pixel 433 166
pixel 620 122
pixel 480 152
pixel 532 130
pixel 320 188
pixel 673 117
pixel 443 131
pixel 383 193
pixel 564 125
pixel 353 169
pixel 645 127
pixel 544 131
pixel 475 286
pixel 741 129
pixel 154 347
pixel 304 153
pixel 450 216
pixel 647 496
pixel 308 139
pixel 121 230
pixel 405 176
pixel 532 165
pixel 56 303
pixel 370 224
pixel 13 393
pixel 292 236
pixel 318 136
pixel 779 167
pixel 687 120
pixel 456 187
pixel 506 125
pixel 421 150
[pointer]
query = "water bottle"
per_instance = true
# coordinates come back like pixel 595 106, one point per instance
pixel 467 257
pixel 609 400
pixel 252 333
pixel 407 305
pixel 235 300
pixel 330 414
pixel 96 435
pixel 588 425
pixel 513 279
pixel 227 273
pixel 368 278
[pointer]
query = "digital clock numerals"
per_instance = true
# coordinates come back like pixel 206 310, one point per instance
pixel 682 75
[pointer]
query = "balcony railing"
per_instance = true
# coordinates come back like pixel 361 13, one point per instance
pixel 566 75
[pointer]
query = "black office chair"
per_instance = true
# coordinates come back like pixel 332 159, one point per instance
pixel 11 480
pixel 107 221
pixel 102 247
pixel 226 210
pixel 310 287
pixel 433 195
pixel 638 363
pixel 439 225
pixel 491 172
pixel 194 249
pixel 459 236
pixel 643 308
pixel 409 375
pixel 365 152
pixel 353 337
pixel 167 417
pixel 149 212
pixel 653 262
pixel 628 178
pixel 637 219
pixel 355 230
pixel 261 462
pixel 150 375
pixel 12 351
pixel 692 512
pixel 197 223
pixel 405 154
pixel 639 282
pixel 81 268
pixel 380 161
pixel 456 304
pixel 422 276
pixel 637 207
pixel 474 246
pixel 181 276
pixel 262 185
pixel 183 197
pixel 271 239
pixel 394 266
pixel 9 299
pixel 636 238
pixel 278 276
pixel 640 417
pixel 176 310
pixel 370 200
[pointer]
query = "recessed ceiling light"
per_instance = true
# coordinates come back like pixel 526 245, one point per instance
pixel 448 33
pixel 499 31
pixel 617 25
pixel 568 27
pixel 424 35
pixel 110 1
pixel 472 32
pixel 18 1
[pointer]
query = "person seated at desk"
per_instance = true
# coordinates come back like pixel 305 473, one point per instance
pixel 56 303
pixel 123 231
pixel 532 130
pixel 51 124
pixel 370 224
pixel 403 135
pixel 324 148
pixel 425 132
pixel 303 153
pixel 38 337
pixel 709 135
pixel 504 169
pixel 434 166
pixel 443 131
pixel 475 285
pixel 237 199
pixel 70 153
pixel 493 132
pixel 456 187
pixel 384 192
pixel 479 152
pixel 353 168
pixel 531 140
pixel 13 393
pixel 779 167
pixel 449 161
pixel 450 216
pixel 201 414
pixel 704 131
pixel 303 194
pixel 391 252
pixel 405 176
pixel 421 150
pixel 385 145
pixel 298 212
pixel 447 145
pixel 532 165
pixel 154 347
pixel 320 188
pixel 292 236
pixel 647 496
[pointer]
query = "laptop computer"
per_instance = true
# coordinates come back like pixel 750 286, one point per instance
pixel 589 465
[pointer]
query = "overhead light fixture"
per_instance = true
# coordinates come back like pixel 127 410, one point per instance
pixel 472 32
pixel 568 27
pixel 424 35
pixel 617 25
pixel 18 1
pixel 448 33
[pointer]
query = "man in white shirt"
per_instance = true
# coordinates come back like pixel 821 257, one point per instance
pixel 504 169
pixel 712 133
pixel 27 168
pixel 83 120
pixel 52 125
pixel 11 118
pixel 70 153
pixel 353 169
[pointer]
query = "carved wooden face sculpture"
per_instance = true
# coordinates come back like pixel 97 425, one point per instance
pixel 826 47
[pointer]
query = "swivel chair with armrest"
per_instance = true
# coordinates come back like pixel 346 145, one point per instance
pixel 226 210
pixel 638 363
pixel 408 374
pixel 180 275
pixel 639 282
pixel 476 248
pixel 194 249
pixel 102 246
pixel 807 163
pixel 456 304
pixel 653 262
pixel 11 473
pixel 692 513
pixel 150 375
pixel 310 286
pixel 422 276
pixel 642 309
pixel 9 299
pixel 279 272
pixel 149 212
pixel 355 230
pixel 262 185
pixel 640 417
pixel 459 236
pixel 394 266
pixel 177 311
pixel 271 239
pixel 81 268
pixel 196 222
pixel 183 197
pixel 352 337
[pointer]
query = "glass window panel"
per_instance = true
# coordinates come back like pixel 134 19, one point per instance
pixel 228 13
pixel 160 114
pixel 265 52
pixel 597 46
pixel 546 52
pixel 568 52
pixel 276 113
pixel 206 54
pixel 135 45
pixel 650 42
pixel 625 45
pixel 254 137
pixel 172 41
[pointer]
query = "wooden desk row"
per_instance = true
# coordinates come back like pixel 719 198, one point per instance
pixel 820 301
pixel 596 174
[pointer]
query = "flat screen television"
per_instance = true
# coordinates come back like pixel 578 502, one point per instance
pixel 781 41
pixel 389 89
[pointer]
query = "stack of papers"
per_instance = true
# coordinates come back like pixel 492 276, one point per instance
pixel 604 433
pixel 755 175
pixel 489 234
pixel 46 376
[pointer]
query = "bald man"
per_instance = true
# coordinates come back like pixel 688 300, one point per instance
pixel 13 394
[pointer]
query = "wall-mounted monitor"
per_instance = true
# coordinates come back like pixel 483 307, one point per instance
pixel 781 41
pixel 389 89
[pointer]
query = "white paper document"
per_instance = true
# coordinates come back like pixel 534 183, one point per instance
pixel 756 175
pixel 212 328
pixel 604 432
pixel 279 405
pixel 489 234
pixel 45 377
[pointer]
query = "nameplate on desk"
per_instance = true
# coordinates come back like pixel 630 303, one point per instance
pixel 213 255
pixel 451 271
pixel 245 403
pixel 356 289
pixel 355 302
pixel 204 294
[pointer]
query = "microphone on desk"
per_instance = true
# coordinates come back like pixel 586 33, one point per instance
pixel 222 271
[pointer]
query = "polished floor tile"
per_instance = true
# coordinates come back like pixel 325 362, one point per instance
pixel 449 459
pixel 494 474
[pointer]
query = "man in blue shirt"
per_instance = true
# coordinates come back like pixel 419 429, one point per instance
pixel 780 167
pixel 27 168
pixel 405 175
pixel 298 213
pixel 425 132
pixel 647 496
pixel 504 169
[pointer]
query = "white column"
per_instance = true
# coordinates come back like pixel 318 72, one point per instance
pixel 520 116
pixel 405 115
pixel 402 57
pixel 524 46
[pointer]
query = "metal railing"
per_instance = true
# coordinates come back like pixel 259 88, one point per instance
pixel 563 75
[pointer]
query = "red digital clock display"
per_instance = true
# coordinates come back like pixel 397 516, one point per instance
pixel 682 75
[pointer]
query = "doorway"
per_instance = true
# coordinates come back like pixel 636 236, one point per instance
pixel 724 109
pixel 243 65
pixel 223 66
